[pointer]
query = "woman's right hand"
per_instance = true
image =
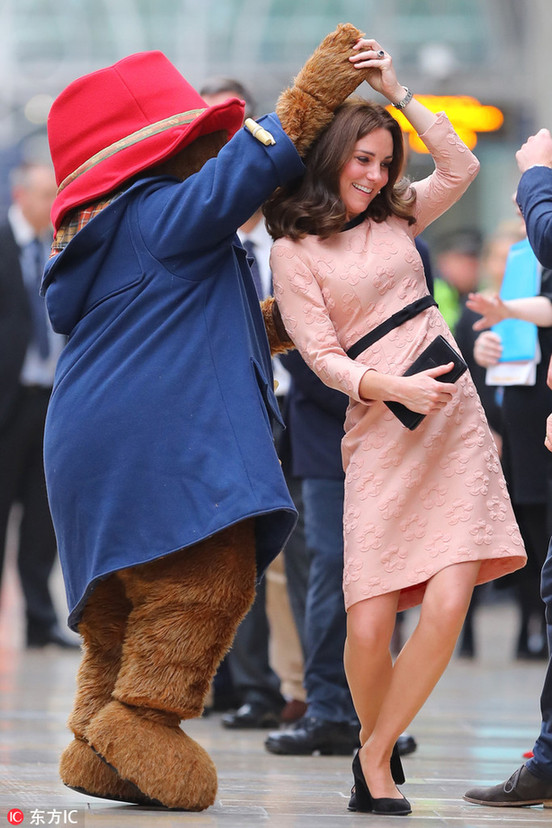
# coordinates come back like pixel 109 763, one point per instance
pixel 423 392
pixel 487 349
pixel 380 74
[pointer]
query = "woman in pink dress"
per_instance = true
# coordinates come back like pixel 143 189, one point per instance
pixel 427 514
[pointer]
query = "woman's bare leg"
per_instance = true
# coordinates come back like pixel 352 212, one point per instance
pixel 417 669
pixel 368 664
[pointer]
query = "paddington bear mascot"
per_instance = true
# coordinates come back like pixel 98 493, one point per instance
pixel 166 492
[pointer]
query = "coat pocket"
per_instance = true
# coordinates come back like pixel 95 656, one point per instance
pixel 104 292
pixel 270 403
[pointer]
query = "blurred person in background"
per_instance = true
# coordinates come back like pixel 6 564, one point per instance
pixel 491 270
pixel 28 354
pixel 457 264
pixel 493 262
pixel 526 463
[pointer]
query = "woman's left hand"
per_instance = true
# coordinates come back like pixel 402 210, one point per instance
pixel 381 77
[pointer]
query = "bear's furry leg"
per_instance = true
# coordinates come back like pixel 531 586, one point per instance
pixel 102 629
pixel 185 611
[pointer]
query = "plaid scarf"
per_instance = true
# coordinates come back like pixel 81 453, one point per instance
pixel 77 219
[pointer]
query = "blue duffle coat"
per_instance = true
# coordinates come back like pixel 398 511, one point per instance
pixel 159 430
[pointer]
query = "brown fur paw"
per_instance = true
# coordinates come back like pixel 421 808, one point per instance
pixel 325 81
pixel 278 337
pixel 159 758
pixel 83 771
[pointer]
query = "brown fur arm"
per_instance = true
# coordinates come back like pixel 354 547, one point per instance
pixel 278 338
pixel 325 81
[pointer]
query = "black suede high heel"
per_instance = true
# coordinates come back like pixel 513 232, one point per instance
pixel 391 806
pixel 362 800
pixel 397 771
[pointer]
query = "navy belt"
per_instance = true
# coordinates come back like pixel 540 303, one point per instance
pixel 396 319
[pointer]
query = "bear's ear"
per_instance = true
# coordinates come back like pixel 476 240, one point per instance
pixel 325 81
pixel 192 158
pixel 278 337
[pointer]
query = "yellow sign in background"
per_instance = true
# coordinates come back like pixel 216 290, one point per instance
pixel 467 115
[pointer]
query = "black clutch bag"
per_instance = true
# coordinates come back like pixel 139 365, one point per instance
pixel 439 352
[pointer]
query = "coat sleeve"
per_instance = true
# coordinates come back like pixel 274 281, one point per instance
pixel 196 214
pixel 308 322
pixel 534 196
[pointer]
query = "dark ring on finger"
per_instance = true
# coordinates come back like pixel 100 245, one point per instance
pixel 381 53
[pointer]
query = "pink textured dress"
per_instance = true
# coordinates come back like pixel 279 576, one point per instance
pixel 415 501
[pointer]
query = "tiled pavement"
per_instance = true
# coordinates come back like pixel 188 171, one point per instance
pixel 481 718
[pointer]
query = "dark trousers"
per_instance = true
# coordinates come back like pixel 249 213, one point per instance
pixel 328 695
pixel 541 764
pixel 532 519
pixel 22 481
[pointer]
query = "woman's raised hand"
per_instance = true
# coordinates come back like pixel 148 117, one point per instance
pixel 381 77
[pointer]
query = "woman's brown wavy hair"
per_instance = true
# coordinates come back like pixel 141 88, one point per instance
pixel 312 204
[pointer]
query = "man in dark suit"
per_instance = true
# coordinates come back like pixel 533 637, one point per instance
pixel 315 414
pixel 28 354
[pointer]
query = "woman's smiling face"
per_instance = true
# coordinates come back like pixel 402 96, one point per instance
pixel 366 172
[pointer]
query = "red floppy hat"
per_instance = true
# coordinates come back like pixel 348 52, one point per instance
pixel 111 124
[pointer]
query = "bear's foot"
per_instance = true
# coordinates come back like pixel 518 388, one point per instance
pixel 148 749
pixel 82 770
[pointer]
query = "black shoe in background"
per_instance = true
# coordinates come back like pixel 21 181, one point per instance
pixel 225 695
pixel 54 636
pixel 406 744
pixel 311 735
pixel 251 716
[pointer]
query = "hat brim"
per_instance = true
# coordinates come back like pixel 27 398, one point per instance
pixel 110 172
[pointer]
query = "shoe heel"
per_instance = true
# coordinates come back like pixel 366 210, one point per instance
pixel 363 798
pixel 547 803
pixel 397 771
